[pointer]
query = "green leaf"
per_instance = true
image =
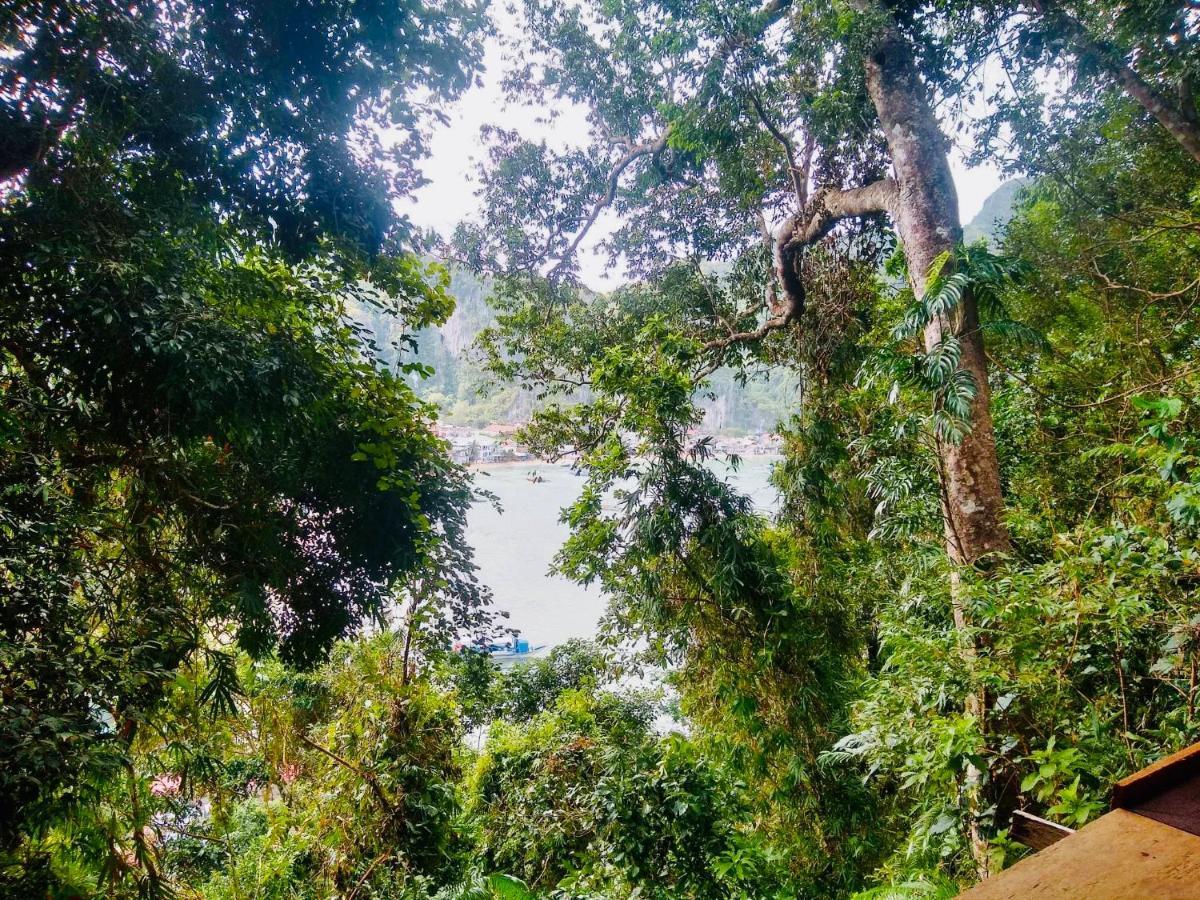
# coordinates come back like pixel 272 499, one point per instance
pixel 943 824
pixel 508 887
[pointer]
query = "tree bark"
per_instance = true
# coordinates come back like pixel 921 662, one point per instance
pixel 926 218
pixel 927 221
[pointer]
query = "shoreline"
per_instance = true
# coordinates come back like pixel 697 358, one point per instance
pixel 567 464
pixel 517 463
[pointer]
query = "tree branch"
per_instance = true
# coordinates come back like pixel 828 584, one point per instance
pixel 369 777
pixel 767 15
pixel 647 148
pixel 1133 289
pixel 829 207
pixel 798 176
pixel 28 364
pixel 749 337
pixel 814 222
pixel 1174 117
pixel 832 205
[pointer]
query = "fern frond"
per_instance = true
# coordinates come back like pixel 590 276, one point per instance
pixel 936 267
pixel 941 296
pixel 946 293
pixel 952 415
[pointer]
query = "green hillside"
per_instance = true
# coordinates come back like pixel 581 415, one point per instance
pixel 468 396
pixel 995 213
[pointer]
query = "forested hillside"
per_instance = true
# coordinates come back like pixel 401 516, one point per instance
pixel 245 649
pixel 988 224
pixel 459 385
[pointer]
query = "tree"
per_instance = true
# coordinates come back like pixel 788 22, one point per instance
pixel 689 104
pixel 200 451
pixel 1144 50
pixel 309 114
pixel 586 800
pixel 1167 47
pixel 920 198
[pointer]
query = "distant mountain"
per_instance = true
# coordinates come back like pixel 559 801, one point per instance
pixel 995 213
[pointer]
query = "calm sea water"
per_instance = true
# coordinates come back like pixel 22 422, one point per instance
pixel 514 547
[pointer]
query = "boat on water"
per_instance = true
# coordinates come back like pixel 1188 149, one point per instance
pixel 513 650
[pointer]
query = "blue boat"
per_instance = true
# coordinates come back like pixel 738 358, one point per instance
pixel 512 650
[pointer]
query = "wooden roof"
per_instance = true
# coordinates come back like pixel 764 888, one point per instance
pixel 1147 847
pixel 1120 856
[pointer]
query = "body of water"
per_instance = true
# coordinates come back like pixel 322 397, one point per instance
pixel 515 546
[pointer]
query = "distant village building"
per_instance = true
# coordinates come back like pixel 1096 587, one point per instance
pixel 503 429
pixel 496 443
pixel 491 444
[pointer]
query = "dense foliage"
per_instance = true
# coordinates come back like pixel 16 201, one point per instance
pixel 198 453
pixel 825 649
pixel 218 479
pixel 459 384
pixel 894 696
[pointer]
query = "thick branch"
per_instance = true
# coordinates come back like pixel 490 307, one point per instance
pixel 1173 117
pixel 832 205
pixel 802 230
pixel 814 222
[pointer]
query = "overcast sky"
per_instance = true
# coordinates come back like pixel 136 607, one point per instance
pixel 450 196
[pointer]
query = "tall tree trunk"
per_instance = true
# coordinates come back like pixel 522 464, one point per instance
pixel 927 220
pixel 926 214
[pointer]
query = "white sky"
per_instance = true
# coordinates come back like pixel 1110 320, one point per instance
pixel 450 197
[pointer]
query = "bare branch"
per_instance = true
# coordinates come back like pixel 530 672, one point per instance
pixel 646 148
pixel 798 176
pixel 749 337
pixel 802 230
pixel 1133 289
pixel 833 205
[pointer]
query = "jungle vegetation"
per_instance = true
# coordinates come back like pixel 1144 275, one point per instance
pixel 233 557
